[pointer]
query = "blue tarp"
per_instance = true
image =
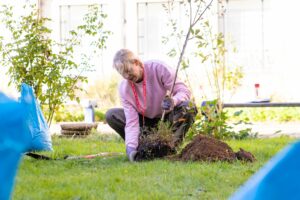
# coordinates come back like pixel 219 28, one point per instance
pixel 278 179
pixel 14 140
pixel 23 128
pixel 35 121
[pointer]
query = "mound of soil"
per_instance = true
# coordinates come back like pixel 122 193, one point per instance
pixel 155 146
pixel 204 148
pixel 245 156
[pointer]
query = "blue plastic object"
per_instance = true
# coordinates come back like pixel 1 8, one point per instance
pixel 278 179
pixel 14 140
pixel 35 121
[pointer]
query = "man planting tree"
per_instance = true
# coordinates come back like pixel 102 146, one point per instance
pixel 145 100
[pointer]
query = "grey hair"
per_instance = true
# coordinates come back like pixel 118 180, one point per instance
pixel 123 60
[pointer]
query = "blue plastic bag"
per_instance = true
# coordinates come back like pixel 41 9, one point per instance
pixel 35 121
pixel 278 179
pixel 14 140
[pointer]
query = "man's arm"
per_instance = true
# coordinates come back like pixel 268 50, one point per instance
pixel 180 92
pixel 132 128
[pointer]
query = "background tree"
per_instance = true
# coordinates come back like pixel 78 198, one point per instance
pixel 194 12
pixel 210 50
pixel 31 56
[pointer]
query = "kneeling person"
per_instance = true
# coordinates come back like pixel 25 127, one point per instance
pixel 143 97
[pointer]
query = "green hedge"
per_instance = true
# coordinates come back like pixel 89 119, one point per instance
pixel 77 116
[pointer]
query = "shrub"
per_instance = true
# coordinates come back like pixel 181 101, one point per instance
pixel 99 116
pixel 67 116
pixel 32 57
pixel 214 122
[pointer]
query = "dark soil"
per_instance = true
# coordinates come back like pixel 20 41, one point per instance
pixel 245 156
pixel 204 148
pixel 155 146
pixel 201 148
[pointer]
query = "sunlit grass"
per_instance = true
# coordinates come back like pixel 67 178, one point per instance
pixel 278 114
pixel 117 178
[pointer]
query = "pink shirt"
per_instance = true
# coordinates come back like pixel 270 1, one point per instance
pixel 159 79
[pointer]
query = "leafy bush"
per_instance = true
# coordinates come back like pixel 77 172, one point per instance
pixel 265 114
pixel 214 122
pixel 76 115
pixel 31 56
pixel 99 116
pixel 67 116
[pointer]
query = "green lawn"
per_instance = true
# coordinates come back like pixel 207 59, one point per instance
pixel 117 178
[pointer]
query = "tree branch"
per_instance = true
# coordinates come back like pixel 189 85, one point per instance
pixel 195 22
pixel 186 41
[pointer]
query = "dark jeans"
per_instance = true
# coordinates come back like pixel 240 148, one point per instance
pixel 181 118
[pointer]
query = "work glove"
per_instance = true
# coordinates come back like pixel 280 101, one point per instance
pixel 167 104
pixel 131 153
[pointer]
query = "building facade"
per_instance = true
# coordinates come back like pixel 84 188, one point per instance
pixel 264 33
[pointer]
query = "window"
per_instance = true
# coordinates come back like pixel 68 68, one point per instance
pixel 71 16
pixel 151 25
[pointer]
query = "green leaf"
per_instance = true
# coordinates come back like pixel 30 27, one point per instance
pixel 30 56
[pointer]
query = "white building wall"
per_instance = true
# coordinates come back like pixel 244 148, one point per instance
pixel 114 23
pixel 265 33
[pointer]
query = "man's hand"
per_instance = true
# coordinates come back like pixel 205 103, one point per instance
pixel 131 154
pixel 167 104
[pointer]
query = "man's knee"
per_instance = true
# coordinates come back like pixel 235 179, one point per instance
pixel 109 115
pixel 115 118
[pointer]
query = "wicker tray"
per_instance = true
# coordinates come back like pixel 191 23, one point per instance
pixel 77 129
pixel 80 126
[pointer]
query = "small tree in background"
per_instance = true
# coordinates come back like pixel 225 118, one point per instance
pixel 31 56
pixel 222 78
pixel 210 50
pixel 194 11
